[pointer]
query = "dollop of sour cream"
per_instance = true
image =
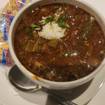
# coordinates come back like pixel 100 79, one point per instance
pixel 52 31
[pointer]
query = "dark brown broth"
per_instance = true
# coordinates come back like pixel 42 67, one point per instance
pixel 72 57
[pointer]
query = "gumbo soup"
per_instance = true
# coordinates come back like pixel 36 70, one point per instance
pixel 59 42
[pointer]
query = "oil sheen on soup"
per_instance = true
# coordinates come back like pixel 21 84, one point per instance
pixel 59 42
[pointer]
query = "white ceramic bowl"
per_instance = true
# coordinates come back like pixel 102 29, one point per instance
pixel 41 81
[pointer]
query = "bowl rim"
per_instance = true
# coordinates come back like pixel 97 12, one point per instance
pixel 31 75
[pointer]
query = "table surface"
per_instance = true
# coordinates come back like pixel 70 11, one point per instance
pixel 100 5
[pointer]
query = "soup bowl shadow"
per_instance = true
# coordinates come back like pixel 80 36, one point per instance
pixel 53 97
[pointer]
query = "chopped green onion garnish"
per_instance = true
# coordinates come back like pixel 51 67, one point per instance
pixel 63 25
pixel 35 27
pixel 61 22
pixel 47 20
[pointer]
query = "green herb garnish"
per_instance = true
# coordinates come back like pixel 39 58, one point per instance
pixel 35 27
pixel 29 30
pixel 47 20
pixel 62 22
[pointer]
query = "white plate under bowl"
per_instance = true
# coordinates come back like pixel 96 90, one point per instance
pixel 12 96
